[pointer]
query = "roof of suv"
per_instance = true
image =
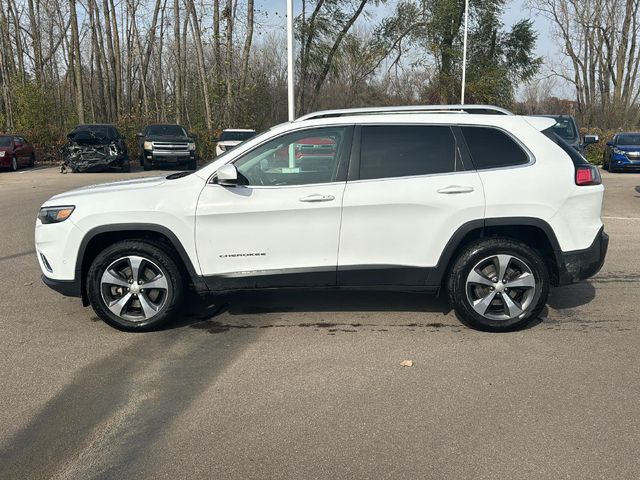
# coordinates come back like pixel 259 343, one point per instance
pixel 408 109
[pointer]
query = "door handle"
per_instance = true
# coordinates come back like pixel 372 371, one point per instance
pixel 317 197
pixel 455 189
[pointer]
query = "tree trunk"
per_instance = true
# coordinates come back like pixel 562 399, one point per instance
pixel 195 25
pixel 77 62
pixel 247 47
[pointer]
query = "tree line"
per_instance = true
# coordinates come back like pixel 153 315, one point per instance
pixel 212 64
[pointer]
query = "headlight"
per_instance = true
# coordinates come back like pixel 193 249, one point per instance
pixel 618 151
pixel 147 146
pixel 2 153
pixel 55 214
pixel 191 146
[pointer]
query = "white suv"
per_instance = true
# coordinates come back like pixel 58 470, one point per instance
pixel 488 206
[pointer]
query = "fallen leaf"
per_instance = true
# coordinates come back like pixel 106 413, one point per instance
pixel 406 363
pixel 28 283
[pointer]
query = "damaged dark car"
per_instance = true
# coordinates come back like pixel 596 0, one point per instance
pixel 95 147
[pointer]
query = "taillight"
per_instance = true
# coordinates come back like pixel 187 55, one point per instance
pixel 587 175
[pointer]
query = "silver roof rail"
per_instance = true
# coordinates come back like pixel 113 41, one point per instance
pixel 488 109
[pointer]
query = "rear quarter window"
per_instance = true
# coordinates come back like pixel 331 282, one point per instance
pixel 493 148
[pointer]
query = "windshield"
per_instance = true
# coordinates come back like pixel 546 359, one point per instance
pixel 5 141
pixel 565 129
pixel 166 130
pixel 229 135
pixel 629 139
pixel 94 131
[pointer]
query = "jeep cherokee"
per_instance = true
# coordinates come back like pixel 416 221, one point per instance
pixel 489 207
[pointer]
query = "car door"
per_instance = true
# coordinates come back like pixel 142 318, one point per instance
pixel 27 150
pixel 280 226
pixel 18 150
pixel 408 192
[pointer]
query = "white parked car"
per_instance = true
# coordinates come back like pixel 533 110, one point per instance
pixel 232 137
pixel 492 209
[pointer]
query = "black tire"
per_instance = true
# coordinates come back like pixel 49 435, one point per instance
pixel 157 259
pixel 192 164
pixel 14 164
pixel 147 164
pixel 460 290
pixel 610 168
pixel 126 166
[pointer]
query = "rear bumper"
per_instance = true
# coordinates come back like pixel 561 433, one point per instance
pixel 68 288
pixel 582 264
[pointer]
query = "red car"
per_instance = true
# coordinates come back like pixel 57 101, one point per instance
pixel 16 152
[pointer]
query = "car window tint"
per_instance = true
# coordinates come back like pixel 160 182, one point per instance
pixel 406 150
pixel 5 141
pixel 492 148
pixel 299 158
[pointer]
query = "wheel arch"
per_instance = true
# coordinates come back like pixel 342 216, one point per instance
pixel 532 231
pixel 98 238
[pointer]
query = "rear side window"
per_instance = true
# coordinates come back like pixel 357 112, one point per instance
pixel 492 148
pixel 406 150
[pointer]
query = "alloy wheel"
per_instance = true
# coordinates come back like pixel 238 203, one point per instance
pixel 501 287
pixel 134 288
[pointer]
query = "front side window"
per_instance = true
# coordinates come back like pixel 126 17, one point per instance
pixel 299 158
pixel 388 151
pixel 5 141
pixel 493 148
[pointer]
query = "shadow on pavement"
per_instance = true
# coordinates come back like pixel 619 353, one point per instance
pixel 334 301
pixel 113 410
pixel 571 296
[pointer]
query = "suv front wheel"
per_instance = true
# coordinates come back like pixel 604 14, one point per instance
pixel 135 285
pixel 498 284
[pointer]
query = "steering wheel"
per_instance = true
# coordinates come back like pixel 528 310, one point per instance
pixel 261 177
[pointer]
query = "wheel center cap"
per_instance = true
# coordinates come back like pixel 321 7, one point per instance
pixel 135 288
pixel 499 287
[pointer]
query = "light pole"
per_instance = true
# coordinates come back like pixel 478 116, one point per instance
pixel 290 91
pixel 464 50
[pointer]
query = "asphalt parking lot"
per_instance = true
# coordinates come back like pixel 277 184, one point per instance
pixel 308 385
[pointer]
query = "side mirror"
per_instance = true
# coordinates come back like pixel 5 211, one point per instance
pixel 591 139
pixel 227 175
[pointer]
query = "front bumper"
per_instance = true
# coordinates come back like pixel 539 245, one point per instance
pixel 582 264
pixel 68 288
pixel 622 162
pixel 167 156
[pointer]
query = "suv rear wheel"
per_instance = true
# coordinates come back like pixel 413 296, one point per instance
pixel 498 284
pixel 135 285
